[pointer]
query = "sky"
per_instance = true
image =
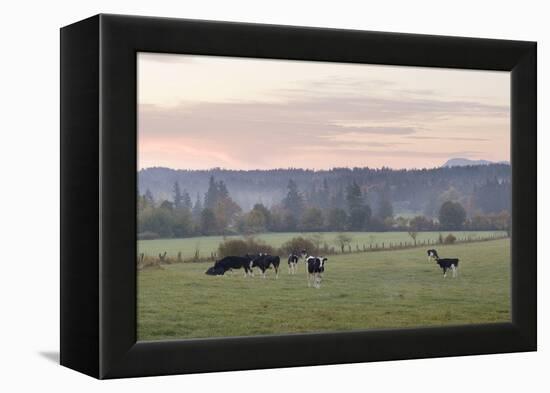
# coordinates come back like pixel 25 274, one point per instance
pixel 202 112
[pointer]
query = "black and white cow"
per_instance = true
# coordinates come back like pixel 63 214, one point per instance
pixel 444 263
pixel 315 266
pixel 228 264
pixel 292 263
pixel 315 269
pixel 264 262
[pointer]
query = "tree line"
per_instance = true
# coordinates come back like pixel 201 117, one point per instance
pixel 480 189
pixel 346 209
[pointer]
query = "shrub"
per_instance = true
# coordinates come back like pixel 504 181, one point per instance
pixel 450 239
pixel 232 247
pixel 297 244
pixel 148 262
pixel 240 247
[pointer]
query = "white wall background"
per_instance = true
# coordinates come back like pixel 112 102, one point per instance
pixel 29 193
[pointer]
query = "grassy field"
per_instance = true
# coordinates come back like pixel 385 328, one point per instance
pixel 360 291
pixel 209 244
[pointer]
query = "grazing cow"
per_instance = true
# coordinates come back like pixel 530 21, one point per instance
pixel 315 268
pixel 264 262
pixel 230 263
pixel 444 263
pixel 292 263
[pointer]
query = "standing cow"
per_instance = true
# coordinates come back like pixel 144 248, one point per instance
pixel 315 269
pixel 315 266
pixel 264 262
pixel 293 263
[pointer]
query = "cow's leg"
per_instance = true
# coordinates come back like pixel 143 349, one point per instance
pixel 276 272
pixel 444 272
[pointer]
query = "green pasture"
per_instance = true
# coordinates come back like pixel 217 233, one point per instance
pixel 209 244
pixel 386 289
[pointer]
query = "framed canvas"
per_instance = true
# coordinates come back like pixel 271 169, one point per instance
pixel 352 196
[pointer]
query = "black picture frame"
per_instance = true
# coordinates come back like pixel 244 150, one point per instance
pixel 98 195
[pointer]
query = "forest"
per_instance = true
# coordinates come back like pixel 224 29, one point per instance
pixel 184 203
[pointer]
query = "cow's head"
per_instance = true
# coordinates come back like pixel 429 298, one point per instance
pixel 432 254
pixel 215 271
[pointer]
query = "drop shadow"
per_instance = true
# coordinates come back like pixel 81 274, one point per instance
pixel 52 356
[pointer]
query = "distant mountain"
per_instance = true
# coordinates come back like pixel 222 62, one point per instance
pixel 467 162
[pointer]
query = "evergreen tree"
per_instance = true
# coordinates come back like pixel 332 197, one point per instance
pixel 359 212
pixel 293 201
pixel 222 190
pixel 338 200
pixel 209 225
pixel 385 208
pixel 186 200
pixel 149 198
pixel 178 197
pixel 197 208
pixel 211 196
pixel 324 195
pixel 354 197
